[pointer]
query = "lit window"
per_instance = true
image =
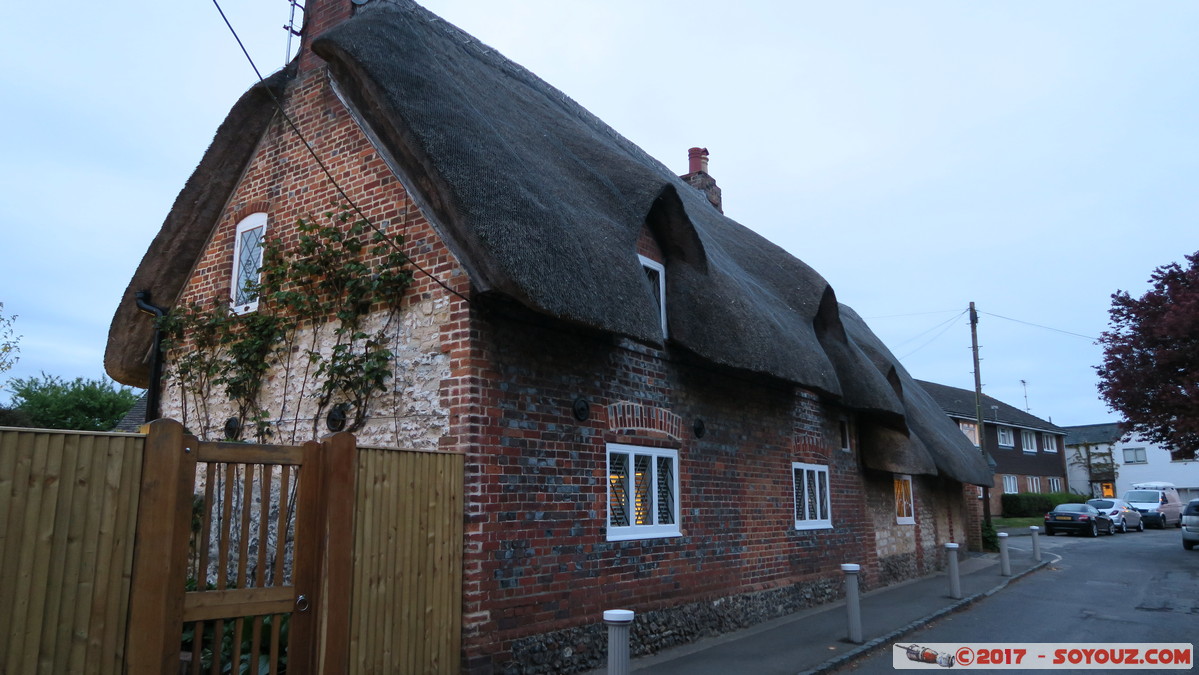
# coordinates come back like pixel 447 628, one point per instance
pixel 1034 483
pixel 1135 456
pixel 655 272
pixel 905 513
pixel 810 485
pixel 1028 441
pixel 1010 486
pixel 1055 484
pixel 1050 442
pixel 643 488
pixel 971 431
pixel 1007 439
pixel 247 261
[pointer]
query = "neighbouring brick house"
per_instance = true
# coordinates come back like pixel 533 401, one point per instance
pixel 1027 452
pixel 660 409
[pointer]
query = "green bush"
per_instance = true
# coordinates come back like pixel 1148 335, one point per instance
pixel 1029 504
pixel 990 537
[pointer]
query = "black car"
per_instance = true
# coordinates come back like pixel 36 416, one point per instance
pixel 1082 518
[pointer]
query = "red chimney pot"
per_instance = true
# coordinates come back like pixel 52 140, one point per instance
pixel 697 160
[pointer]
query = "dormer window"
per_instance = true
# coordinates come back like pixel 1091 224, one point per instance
pixel 247 262
pixel 656 273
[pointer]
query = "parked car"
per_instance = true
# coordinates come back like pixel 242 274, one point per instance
pixel 1121 512
pixel 1158 503
pixel 1190 524
pixel 1081 518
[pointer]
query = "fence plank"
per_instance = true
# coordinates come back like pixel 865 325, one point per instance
pixel 41 582
pixel 242 602
pixel 243 453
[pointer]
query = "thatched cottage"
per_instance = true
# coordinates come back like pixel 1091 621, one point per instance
pixel 660 410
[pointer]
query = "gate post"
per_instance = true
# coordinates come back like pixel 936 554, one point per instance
pixel 339 464
pixel 160 549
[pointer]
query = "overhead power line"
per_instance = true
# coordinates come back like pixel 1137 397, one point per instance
pixel 1037 325
pixel 324 169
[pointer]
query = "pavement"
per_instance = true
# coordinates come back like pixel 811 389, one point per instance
pixel 816 640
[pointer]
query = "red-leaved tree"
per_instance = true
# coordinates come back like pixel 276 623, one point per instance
pixel 1150 371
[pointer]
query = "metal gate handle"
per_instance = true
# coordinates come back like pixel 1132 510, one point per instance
pixel 302 603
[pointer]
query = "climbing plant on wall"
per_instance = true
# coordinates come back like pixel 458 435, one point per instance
pixel 338 275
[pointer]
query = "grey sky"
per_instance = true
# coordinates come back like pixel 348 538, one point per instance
pixel 1031 157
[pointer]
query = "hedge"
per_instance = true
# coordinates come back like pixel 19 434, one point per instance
pixel 1026 504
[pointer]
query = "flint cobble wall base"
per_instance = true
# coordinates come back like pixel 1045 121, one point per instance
pixel 584 647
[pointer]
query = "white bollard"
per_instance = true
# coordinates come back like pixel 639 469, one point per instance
pixel 1036 542
pixel 1005 562
pixel 955 578
pixel 619 622
pixel 853 603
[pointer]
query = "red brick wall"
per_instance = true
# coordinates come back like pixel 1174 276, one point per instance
pixel 538 556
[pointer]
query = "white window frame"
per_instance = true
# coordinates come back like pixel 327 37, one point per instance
pixel 1034 484
pixel 805 518
pixel 1028 442
pixel 654 529
pixel 1007 438
pixel 1055 484
pixel 845 431
pixel 970 429
pixel 1050 442
pixel 905 504
pixel 1139 456
pixel 250 222
pixel 1011 485
pixel 649 263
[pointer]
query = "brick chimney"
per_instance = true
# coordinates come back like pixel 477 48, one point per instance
pixel 698 178
pixel 320 16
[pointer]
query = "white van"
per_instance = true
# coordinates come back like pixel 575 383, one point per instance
pixel 1158 503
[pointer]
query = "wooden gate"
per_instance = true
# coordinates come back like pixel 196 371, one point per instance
pixel 254 577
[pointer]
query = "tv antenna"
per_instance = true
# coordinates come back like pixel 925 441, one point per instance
pixel 290 27
pixel 1025 385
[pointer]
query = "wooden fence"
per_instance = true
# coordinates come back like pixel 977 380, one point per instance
pixel 68 506
pixel 407 582
pixel 70 534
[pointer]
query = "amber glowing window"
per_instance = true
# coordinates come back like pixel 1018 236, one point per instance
pixel 643 488
pixel 905 512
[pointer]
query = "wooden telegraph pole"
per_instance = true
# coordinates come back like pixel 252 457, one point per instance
pixel 978 409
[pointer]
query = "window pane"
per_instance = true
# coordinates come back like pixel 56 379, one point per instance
pixel 248 261
pixel 810 494
pixel 655 282
pixel 618 485
pixel 797 482
pixel 822 493
pixel 665 491
pixel 643 511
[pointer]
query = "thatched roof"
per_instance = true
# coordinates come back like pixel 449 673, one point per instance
pixel 544 203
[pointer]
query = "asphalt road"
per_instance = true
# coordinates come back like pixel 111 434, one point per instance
pixel 1127 588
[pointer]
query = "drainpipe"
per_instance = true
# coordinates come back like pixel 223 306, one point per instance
pixel 153 393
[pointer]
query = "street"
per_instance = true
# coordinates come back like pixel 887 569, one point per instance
pixel 1128 588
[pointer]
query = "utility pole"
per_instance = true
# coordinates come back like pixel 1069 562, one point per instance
pixel 978 409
